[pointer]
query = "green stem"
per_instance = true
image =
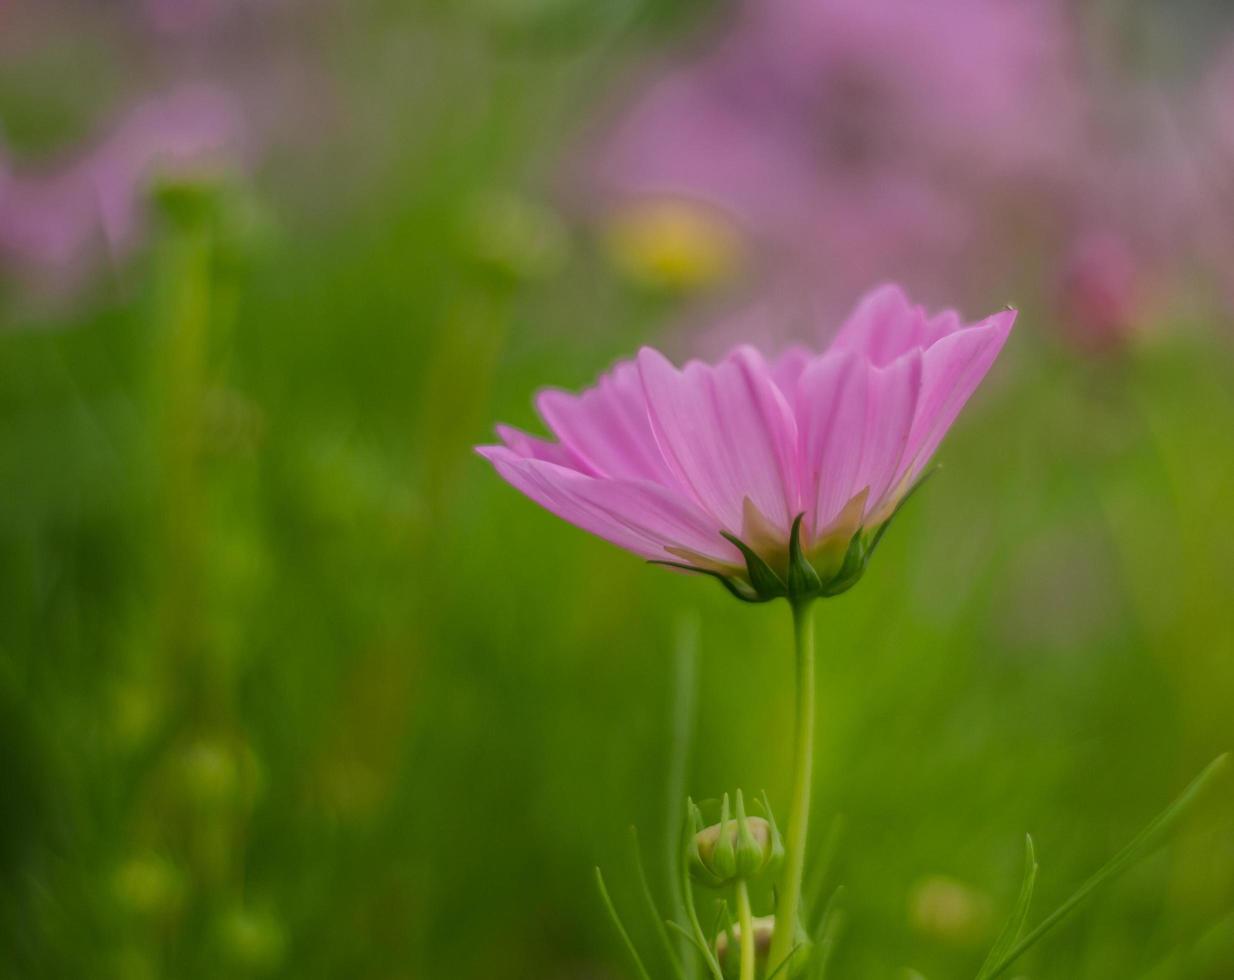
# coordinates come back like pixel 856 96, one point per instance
pixel 788 900
pixel 180 374
pixel 745 919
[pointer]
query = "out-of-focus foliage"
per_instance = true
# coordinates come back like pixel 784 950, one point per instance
pixel 292 685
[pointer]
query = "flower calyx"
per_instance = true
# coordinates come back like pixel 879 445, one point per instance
pixel 738 849
pixel 801 579
pixel 831 568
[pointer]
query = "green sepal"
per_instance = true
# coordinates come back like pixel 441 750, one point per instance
pixel 852 569
pixel 882 528
pixel 803 580
pixel 724 857
pixel 697 867
pixel 766 582
pixel 763 583
pixel 750 856
pixel 776 857
pixel 735 587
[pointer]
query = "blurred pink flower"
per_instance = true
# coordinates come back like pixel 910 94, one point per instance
pixel 184 16
pixel 1102 292
pixel 1151 206
pixel 862 137
pixel 55 223
pixel 667 463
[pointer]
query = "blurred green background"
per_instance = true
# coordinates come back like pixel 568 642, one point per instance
pixel 292 685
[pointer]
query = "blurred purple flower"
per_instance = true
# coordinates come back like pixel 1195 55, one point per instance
pixel 56 223
pixel 864 137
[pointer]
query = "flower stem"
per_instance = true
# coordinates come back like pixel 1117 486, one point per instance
pixel 788 901
pixel 746 920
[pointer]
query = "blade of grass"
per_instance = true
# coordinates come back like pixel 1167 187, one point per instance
pixel 699 939
pixel 661 930
pixel 827 933
pixel 827 945
pixel 823 859
pixel 621 929
pixel 1124 859
pixel 1015 923
pixel 685 933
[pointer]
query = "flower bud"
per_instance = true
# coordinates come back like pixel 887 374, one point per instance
pixel 732 850
pixel 727 946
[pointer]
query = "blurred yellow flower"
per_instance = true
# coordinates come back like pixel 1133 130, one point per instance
pixel 673 243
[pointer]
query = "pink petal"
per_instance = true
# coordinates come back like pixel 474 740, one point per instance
pixel 893 394
pixel 833 412
pixel 883 326
pixel 607 426
pixel 641 517
pixel 787 368
pixel 532 448
pixel 951 371
pixel 727 433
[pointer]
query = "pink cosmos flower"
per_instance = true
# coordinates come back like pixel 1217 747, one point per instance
pixel 738 468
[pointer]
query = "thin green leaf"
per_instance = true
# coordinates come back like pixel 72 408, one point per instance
pixel 699 939
pixel 621 929
pixel 1014 928
pixel 689 937
pixel 1129 855
pixel 827 934
pixel 823 861
pixel 827 944
pixel 652 909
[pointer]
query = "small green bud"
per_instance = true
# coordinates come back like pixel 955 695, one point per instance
pixel 727 948
pixel 733 849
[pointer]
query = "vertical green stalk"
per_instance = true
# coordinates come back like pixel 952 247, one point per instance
pixel 745 919
pixel 788 902
pixel 180 368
